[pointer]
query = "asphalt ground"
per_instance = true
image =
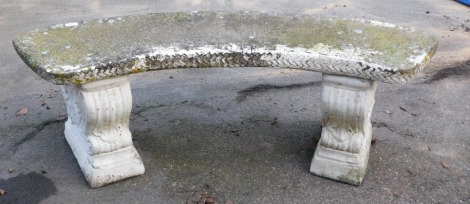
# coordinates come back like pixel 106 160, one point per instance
pixel 243 135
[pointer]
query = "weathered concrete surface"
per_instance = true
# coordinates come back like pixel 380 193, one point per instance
pixel 214 130
pixel 80 52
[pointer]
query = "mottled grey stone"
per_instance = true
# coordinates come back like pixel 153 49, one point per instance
pixel 79 52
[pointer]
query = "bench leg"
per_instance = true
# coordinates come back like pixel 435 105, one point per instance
pixel 97 130
pixel 343 150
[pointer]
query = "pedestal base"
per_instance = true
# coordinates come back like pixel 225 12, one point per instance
pixel 340 166
pixel 343 150
pixel 97 130
pixel 103 169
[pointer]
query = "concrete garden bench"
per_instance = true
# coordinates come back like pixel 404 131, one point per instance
pixel 92 59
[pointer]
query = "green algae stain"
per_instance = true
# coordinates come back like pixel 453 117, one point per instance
pixel 180 16
pixel 107 42
pixel 99 40
pixel 391 45
pixel 308 34
pixel 77 81
pixel 353 178
pixel 68 46
pixel 350 180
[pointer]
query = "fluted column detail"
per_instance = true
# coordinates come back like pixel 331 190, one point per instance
pixel 343 150
pixel 97 130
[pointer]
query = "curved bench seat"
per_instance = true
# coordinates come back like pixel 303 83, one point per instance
pixel 75 53
pixel 91 59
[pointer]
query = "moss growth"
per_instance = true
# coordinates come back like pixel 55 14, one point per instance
pixel 136 70
pixel 353 178
pixel 180 16
pixel 309 34
pixel 394 45
pixel 350 180
pixel 106 42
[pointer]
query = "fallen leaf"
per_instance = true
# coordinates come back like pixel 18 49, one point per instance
pixel 192 200
pixel 274 122
pixel 210 200
pixel 202 200
pixel 195 197
pixel 62 116
pixel 22 111
pixel 445 165
pixel 373 141
pixel 2 192
pixel 409 134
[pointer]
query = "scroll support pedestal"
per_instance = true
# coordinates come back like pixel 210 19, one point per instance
pixel 97 130
pixel 343 150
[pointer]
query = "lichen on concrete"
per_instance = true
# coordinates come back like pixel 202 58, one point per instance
pixel 350 180
pixel 80 52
